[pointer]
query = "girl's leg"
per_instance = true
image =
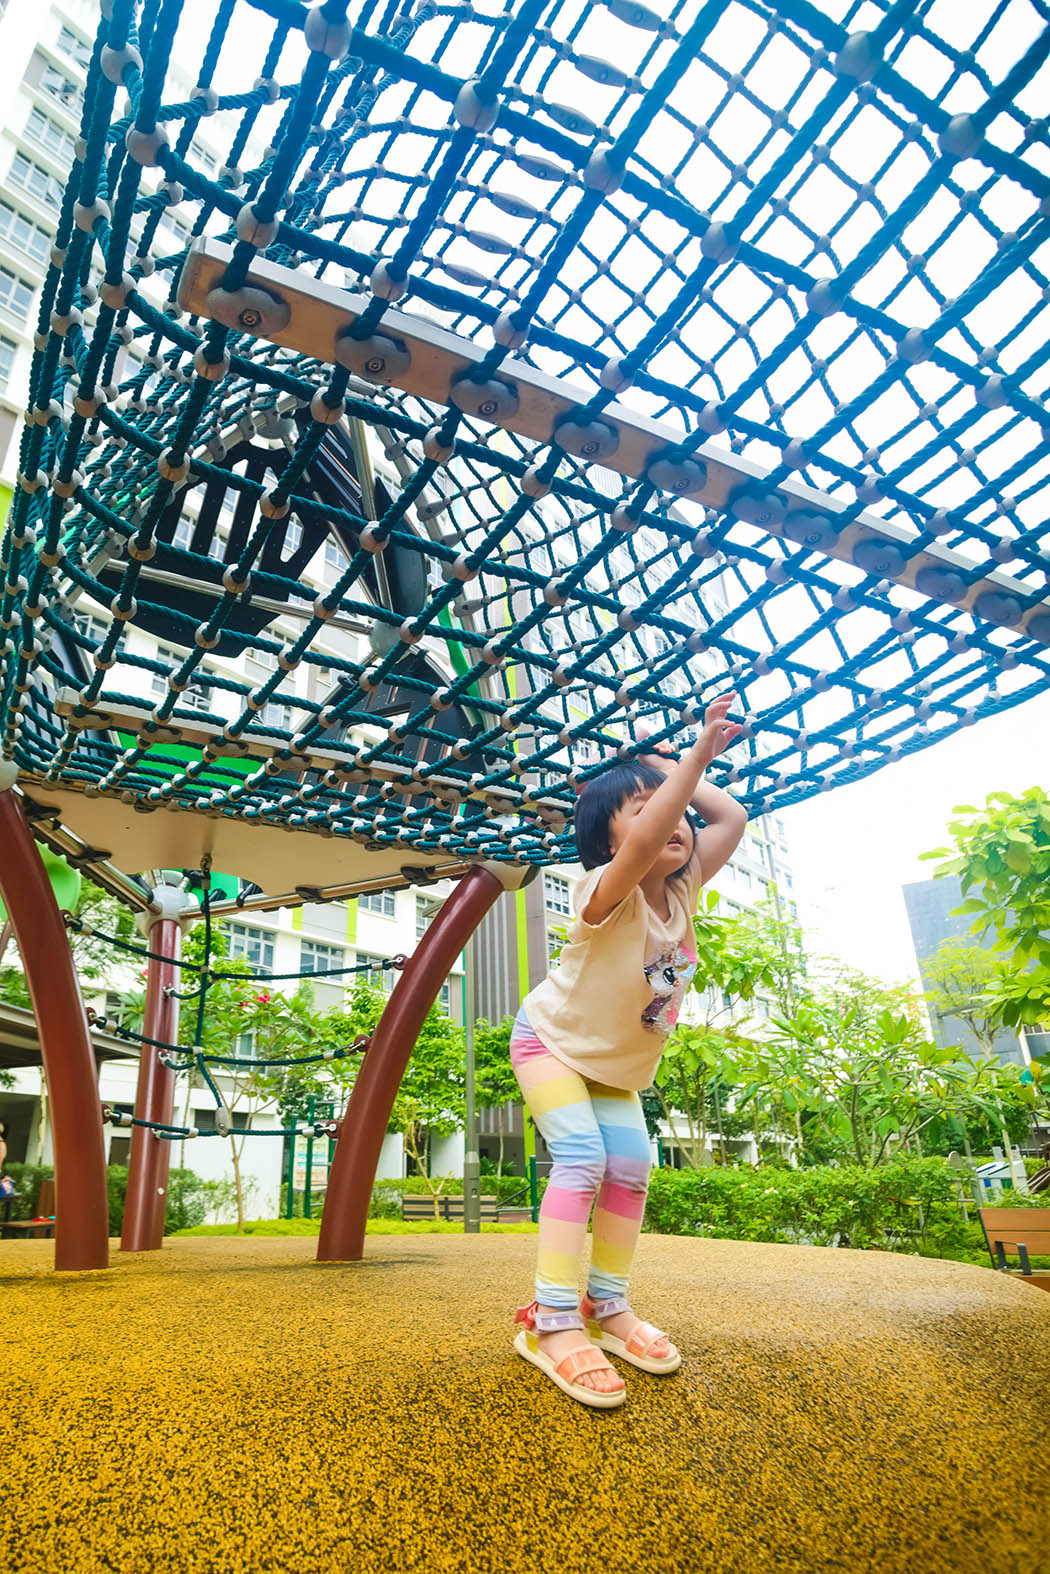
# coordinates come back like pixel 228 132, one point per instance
pixel 619 1210
pixel 621 1199
pixel 560 1104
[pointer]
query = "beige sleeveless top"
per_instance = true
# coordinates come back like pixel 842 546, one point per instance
pixel 608 1006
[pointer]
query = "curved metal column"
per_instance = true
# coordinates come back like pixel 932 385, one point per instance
pixel 82 1210
pixel 342 1236
pixel 150 1159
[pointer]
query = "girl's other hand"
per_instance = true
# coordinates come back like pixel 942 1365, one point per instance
pixel 718 733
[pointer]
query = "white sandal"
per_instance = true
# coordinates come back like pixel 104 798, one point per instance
pixel 572 1366
pixel 636 1348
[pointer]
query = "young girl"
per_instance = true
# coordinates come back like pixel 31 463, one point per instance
pixel 590 1037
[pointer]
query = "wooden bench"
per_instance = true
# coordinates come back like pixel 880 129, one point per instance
pixel 420 1205
pixel 1023 1233
pixel 44 1220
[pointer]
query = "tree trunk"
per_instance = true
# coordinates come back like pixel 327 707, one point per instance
pixel 42 1124
pixel 412 1144
pixel 237 1183
pixel 499 1133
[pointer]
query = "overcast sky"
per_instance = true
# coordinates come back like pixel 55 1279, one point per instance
pixel 853 849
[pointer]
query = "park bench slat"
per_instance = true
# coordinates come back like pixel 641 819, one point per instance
pixel 1018 1232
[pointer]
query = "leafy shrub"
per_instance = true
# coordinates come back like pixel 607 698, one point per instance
pixel 116 1193
pixel 904 1205
pixel 188 1198
pixel 27 1179
pixel 185 1206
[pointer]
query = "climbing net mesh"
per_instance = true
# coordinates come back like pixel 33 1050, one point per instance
pixel 611 355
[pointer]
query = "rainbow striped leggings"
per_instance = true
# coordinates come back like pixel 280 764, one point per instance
pixel 600 1147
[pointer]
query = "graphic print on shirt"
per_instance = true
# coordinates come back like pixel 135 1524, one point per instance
pixel 668 976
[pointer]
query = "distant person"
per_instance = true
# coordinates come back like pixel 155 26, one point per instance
pixel 590 1037
pixel 7 1185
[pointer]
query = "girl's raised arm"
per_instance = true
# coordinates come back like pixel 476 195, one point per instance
pixel 650 829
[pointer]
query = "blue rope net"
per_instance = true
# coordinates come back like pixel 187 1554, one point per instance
pixel 808 244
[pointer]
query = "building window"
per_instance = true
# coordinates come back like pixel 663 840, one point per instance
pixel 258 664
pixel 58 86
pixel 444 999
pixel 378 976
pixel 204 1119
pixel 318 958
pixel 382 902
pixel 334 555
pixel 16 296
pixel 91 627
pixel 38 182
pixel 277 715
pixel 39 128
pixel 207 161
pixel 556 894
pixel 7 361
pixel 22 236
pixel 179 232
pixel 251 945
pixel 425 911
pixel 196 696
pixel 183 533
pixel 74 48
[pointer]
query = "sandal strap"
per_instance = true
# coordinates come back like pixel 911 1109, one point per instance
pixel 548 1321
pixel 588 1359
pixel 554 1322
pixel 600 1310
pixel 643 1338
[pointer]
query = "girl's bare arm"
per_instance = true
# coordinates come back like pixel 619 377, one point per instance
pixel 651 828
pixel 724 818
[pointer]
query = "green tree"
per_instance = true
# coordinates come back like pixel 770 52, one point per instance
pixel 94 958
pixel 959 976
pixel 277 1027
pixel 1001 855
pixel 495 1083
pixel 431 1099
pixel 855 1058
pixel 736 959
pixel 962 978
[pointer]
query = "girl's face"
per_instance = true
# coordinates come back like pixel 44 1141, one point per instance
pixel 679 848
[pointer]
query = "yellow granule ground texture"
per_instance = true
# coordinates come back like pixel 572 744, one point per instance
pixel 231 1405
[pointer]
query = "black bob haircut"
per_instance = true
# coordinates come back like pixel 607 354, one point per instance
pixel 599 801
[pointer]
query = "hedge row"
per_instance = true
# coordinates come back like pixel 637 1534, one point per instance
pixel 909 1205
pixel 187 1195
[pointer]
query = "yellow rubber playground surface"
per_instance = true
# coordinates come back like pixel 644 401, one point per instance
pixel 229 1405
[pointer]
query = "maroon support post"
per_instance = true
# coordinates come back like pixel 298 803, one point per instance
pixel 342 1237
pixel 150 1157
pixel 81 1208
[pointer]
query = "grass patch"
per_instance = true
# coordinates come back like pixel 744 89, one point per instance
pixel 373 1227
